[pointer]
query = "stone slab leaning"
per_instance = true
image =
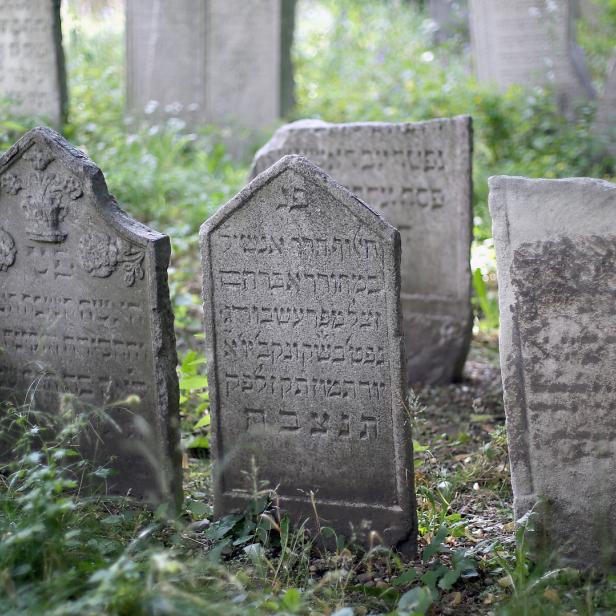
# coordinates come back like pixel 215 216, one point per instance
pixel 305 355
pixel 556 257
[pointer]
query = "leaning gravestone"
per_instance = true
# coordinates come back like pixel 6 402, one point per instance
pixel 32 75
pixel 418 176
pixel 225 62
pixel 556 256
pixel 305 354
pixel 604 125
pixel 529 42
pixel 85 310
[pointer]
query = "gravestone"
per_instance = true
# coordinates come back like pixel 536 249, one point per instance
pixel 418 176
pixel 604 125
pixel 450 17
pixel 305 355
pixel 556 257
pixel 529 42
pixel 225 62
pixel 85 310
pixel 32 75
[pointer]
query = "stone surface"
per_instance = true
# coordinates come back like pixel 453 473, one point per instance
pixel 418 176
pixel 529 42
pixel 85 310
pixel 556 256
pixel 305 354
pixel 450 17
pixel 32 74
pixel 604 125
pixel 225 62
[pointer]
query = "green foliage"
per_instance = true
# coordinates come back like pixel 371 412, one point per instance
pixel 486 302
pixel 362 61
pixel 194 400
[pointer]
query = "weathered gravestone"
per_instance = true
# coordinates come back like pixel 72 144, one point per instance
pixel 604 125
pixel 225 62
pixel 450 17
pixel 556 256
pixel 85 310
pixel 529 42
pixel 302 321
pixel 32 75
pixel 418 176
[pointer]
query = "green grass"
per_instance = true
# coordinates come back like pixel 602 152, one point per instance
pixel 64 554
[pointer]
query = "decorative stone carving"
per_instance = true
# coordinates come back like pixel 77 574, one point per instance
pixel 7 250
pixel 100 256
pixel 85 311
pixel 46 195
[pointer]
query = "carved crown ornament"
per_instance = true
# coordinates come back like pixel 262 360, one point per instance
pixel 45 195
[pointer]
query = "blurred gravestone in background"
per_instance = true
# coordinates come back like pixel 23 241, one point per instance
pixel 450 16
pixel 224 62
pixel 529 42
pixel 556 254
pixel 418 176
pixel 32 74
pixel 604 125
pixel 85 310
pixel 305 354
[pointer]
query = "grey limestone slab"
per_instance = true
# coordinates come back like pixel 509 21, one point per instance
pixel 224 62
pixel 604 126
pixel 418 177
pixel 32 73
pixel 85 311
pixel 305 355
pixel 556 257
pixel 529 42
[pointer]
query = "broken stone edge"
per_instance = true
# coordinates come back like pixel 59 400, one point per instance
pixel 157 248
pixel 513 377
pixel 402 534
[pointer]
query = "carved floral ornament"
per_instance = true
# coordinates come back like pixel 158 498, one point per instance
pixel 7 250
pixel 101 256
pixel 46 195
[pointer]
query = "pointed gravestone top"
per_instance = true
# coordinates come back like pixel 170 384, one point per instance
pixel 85 310
pixel 304 343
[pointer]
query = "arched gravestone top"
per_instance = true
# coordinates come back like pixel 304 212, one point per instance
pixel 556 256
pixel 305 353
pixel 85 310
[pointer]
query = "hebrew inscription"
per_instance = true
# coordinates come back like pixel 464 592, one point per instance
pixel 304 348
pixel 77 314
pixel 418 177
pixel 32 73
